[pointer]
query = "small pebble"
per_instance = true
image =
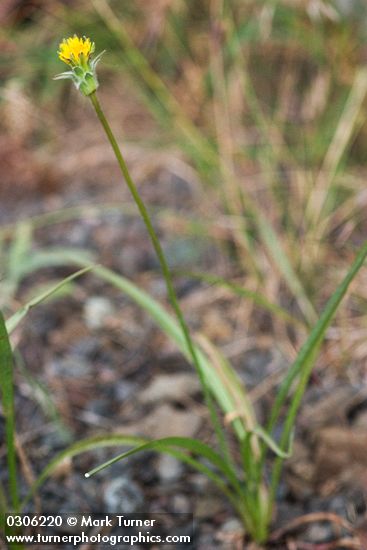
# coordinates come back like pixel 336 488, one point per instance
pixel 181 504
pixel 96 310
pixel 169 469
pixel 123 495
pixel 319 532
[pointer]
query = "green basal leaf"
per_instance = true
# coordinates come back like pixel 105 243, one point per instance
pixel 7 397
pixel 193 445
pixel 167 445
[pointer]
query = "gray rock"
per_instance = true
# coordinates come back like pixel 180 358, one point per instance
pixel 86 347
pixel 124 390
pixel 256 365
pixel 319 532
pixel 233 526
pixel 181 504
pixel 96 310
pixel 122 495
pixel 231 534
pixel 170 387
pixel 68 367
pixel 200 482
pixel 169 469
pixel 166 421
pixel 206 542
pixel 208 506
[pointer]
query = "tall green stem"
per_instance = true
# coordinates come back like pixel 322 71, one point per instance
pixel 164 267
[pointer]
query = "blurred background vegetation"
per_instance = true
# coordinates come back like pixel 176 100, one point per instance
pixel 259 106
pixel 243 124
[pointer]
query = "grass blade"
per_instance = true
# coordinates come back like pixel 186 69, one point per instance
pixel 189 444
pixel 7 393
pixel 244 408
pixel 280 259
pixel 91 444
pixel 305 361
pixel 336 150
pixel 19 250
pixel 309 350
pixel 15 319
pixel 51 257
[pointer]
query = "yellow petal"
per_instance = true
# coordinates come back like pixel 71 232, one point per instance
pixel 75 50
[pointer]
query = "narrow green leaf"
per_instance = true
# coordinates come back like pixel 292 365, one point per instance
pixel 15 319
pixel 285 267
pixel 193 445
pixel 244 408
pixel 304 364
pixel 89 444
pixel 18 251
pixel 113 440
pixel 7 393
pixel 248 460
pixel 52 257
pixel 269 441
pixel 308 352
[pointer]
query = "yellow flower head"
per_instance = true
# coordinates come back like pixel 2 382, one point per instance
pixel 76 51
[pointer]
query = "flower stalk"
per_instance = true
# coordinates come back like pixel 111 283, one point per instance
pixel 77 53
pixel 164 267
